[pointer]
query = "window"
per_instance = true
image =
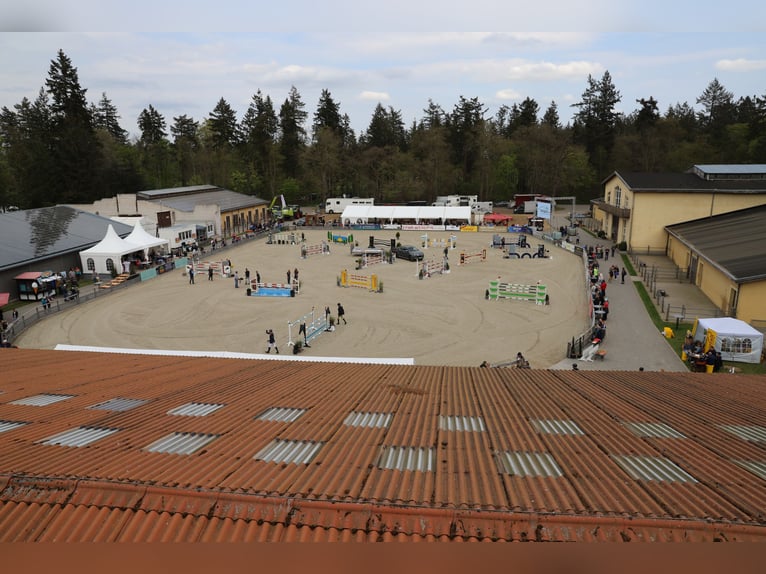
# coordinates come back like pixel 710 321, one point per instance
pixel 90 264
pixel 109 265
pixel 736 345
pixel 617 196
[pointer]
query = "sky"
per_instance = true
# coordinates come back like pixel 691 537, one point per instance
pixel 183 57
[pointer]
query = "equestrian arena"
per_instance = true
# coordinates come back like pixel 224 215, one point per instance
pixel 442 319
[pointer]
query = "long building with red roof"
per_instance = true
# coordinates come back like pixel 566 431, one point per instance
pixel 138 448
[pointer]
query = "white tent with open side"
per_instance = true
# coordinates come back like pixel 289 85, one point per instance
pixel 734 339
pixel 140 237
pixel 107 254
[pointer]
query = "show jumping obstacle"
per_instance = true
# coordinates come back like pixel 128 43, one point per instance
pixel 318 249
pixel 466 258
pixel 362 281
pixel 310 325
pixel 499 290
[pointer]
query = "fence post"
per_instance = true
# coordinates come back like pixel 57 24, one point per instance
pixel 683 311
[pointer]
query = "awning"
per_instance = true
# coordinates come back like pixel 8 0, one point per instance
pixel 29 275
pixel 4 297
pixel 497 217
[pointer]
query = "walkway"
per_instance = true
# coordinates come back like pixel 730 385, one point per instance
pixel 632 341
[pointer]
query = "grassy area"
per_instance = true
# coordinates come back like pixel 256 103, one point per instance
pixel 628 264
pixel 677 342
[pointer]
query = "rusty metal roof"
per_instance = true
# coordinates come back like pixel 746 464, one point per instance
pixel 378 452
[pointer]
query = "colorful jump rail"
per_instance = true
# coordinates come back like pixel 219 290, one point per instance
pixel 499 290
pixel 335 238
pixel 429 267
pixel 274 289
pixel 318 249
pixel 369 282
pixel 311 325
pixel 466 258
pixel 282 239
pixel 201 268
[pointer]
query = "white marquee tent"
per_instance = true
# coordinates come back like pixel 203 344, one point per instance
pixel 734 339
pixel 139 236
pixel 111 248
pixel 358 214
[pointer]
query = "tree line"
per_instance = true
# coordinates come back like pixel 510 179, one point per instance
pixel 60 148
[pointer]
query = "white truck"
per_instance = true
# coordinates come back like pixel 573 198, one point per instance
pixel 338 204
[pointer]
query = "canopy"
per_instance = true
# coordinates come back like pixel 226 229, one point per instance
pixel 111 247
pixel 496 217
pixel 734 339
pixel 354 214
pixel 139 236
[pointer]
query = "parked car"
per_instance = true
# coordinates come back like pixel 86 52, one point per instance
pixel 408 252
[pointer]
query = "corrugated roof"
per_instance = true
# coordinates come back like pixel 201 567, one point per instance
pixel 687 183
pixel 734 242
pixel 184 478
pixel 33 234
pixel 187 198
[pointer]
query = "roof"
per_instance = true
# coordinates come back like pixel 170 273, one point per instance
pixel 187 198
pixel 157 448
pixel 732 169
pixel 687 183
pixel 734 242
pixel 398 212
pixel 112 244
pixel 33 234
pixel 140 237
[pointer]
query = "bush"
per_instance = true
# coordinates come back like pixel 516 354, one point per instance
pixel 622 246
pixel 602 234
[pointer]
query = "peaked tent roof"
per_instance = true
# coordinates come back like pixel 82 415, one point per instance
pixel 139 236
pixel 112 244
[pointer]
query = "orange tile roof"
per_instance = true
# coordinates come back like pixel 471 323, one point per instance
pixel 222 449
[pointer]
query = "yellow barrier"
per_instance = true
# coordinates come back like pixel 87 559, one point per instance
pixel 363 281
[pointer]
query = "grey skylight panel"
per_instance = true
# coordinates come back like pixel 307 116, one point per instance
pixel 653 430
pixel 748 433
pixel 41 400
pixel 757 467
pixel 119 404
pixel 10 425
pixel 412 458
pixel 370 420
pixel 80 436
pixel 655 468
pixel 461 423
pixel 281 414
pixel 528 464
pixel 195 409
pixel 289 451
pixel 564 427
pixel 181 443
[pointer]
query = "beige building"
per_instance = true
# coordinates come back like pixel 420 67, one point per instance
pixel 637 207
pixel 726 258
pixel 204 209
pixel 710 221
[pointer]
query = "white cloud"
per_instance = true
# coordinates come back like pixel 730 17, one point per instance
pixel 374 96
pixel 548 71
pixel 509 94
pixel 740 65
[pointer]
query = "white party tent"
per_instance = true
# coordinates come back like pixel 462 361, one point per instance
pixel 734 339
pixel 139 236
pixel 107 254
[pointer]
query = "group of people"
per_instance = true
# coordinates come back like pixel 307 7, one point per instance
pixel 699 359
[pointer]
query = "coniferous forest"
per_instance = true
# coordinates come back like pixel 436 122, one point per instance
pixel 65 147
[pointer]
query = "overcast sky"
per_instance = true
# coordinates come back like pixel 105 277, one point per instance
pixel 182 57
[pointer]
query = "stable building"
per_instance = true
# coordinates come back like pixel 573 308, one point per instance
pixel 38 244
pixel 726 258
pixel 637 207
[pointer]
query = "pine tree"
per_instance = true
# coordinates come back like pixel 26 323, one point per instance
pixel 105 117
pixel 292 118
pixel 327 115
pixel 223 125
pixel 75 150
